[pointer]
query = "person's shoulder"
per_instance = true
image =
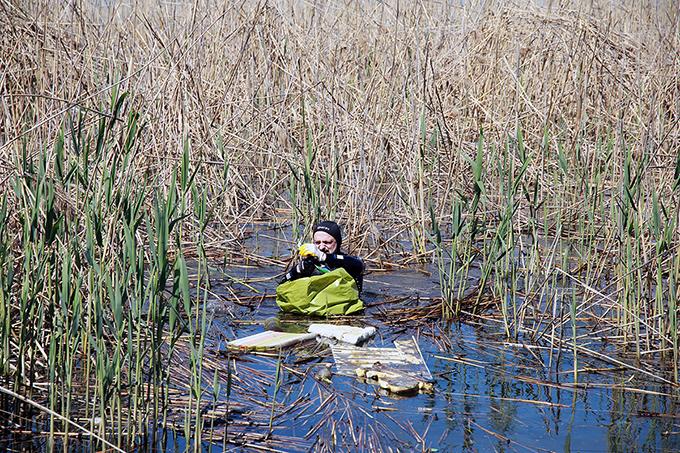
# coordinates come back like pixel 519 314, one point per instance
pixel 347 255
pixel 351 260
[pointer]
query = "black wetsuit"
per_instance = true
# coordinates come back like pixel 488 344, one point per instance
pixel 308 267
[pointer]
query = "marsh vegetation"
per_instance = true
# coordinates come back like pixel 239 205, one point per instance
pixel 526 154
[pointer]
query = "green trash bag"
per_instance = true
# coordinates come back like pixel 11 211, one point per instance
pixel 332 293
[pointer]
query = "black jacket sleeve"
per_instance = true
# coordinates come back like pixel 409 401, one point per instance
pixel 303 268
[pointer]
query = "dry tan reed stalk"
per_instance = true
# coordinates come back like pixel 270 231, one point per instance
pixel 248 71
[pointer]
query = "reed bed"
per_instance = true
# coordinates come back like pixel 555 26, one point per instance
pixel 535 146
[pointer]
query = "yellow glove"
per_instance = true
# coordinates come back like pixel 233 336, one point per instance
pixel 311 251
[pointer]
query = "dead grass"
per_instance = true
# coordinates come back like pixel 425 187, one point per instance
pixel 355 79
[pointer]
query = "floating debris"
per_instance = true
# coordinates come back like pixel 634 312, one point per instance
pixel 347 334
pixel 394 380
pixel 324 374
pixel 268 340
pixel 400 370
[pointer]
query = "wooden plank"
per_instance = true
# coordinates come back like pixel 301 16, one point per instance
pixel 268 340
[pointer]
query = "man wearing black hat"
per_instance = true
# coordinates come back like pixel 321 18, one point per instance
pixel 325 255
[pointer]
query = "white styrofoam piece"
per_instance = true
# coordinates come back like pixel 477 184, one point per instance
pixel 346 334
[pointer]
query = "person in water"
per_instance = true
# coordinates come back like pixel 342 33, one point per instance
pixel 325 254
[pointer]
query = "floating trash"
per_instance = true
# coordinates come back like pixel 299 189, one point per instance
pixel 347 334
pixel 400 370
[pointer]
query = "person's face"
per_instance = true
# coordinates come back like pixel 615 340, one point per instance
pixel 325 242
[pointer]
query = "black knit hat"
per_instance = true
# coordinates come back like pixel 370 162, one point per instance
pixel 331 228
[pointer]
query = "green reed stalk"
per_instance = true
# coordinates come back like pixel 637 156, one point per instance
pixel 52 357
pixel 477 166
pixel 572 311
pixel 312 182
pixel 227 402
pixel 673 296
pixel 90 296
pixel 6 281
pixel 277 385
pixel 215 395
pixel 451 284
pixel 417 233
pixel 333 184
pixel 293 183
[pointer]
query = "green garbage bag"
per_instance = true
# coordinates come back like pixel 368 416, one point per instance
pixel 332 293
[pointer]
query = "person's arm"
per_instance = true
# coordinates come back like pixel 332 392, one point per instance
pixel 304 268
